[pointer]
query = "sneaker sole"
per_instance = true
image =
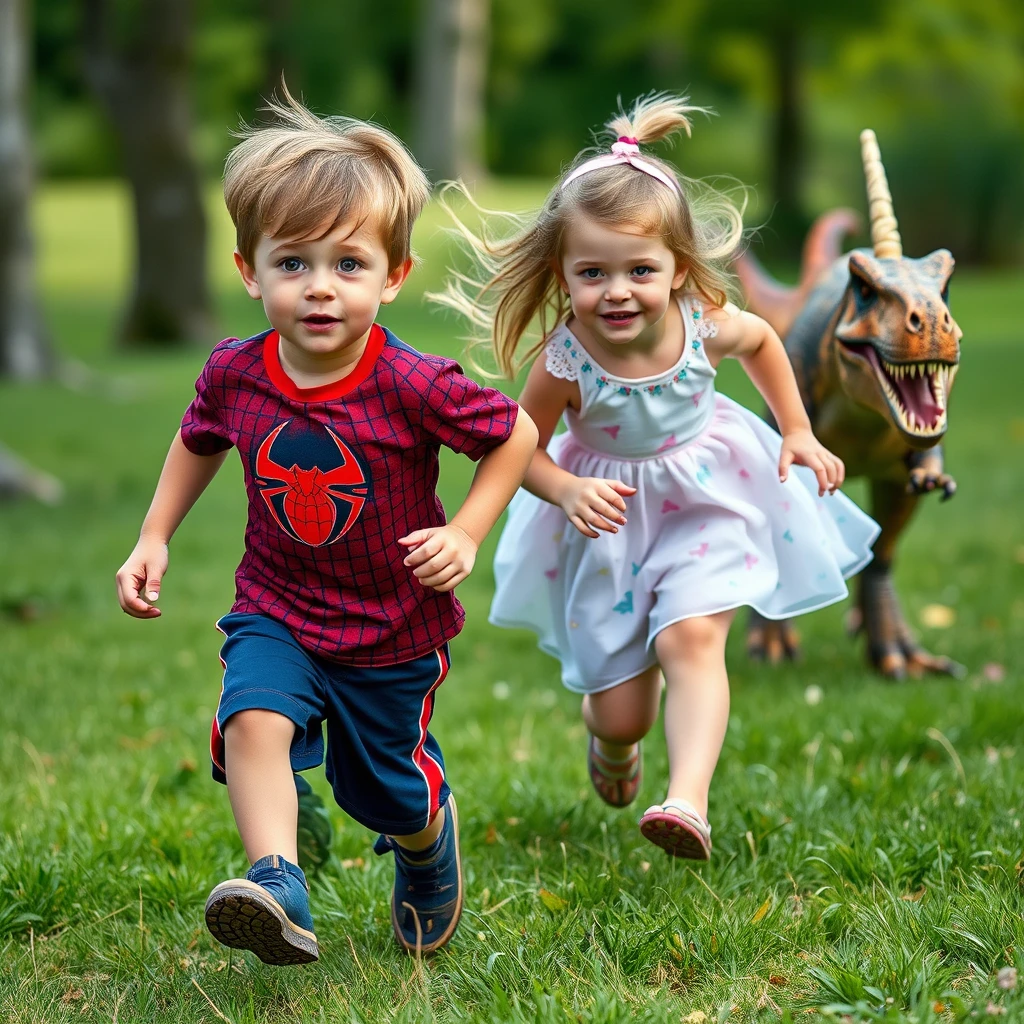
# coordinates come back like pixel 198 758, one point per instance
pixel 243 915
pixel 675 836
pixel 445 937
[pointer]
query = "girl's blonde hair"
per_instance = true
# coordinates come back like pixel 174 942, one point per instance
pixel 302 172
pixel 518 280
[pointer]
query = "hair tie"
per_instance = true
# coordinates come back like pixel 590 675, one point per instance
pixel 625 150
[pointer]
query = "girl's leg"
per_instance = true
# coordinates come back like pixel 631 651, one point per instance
pixel 261 786
pixel 622 716
pixel 692 655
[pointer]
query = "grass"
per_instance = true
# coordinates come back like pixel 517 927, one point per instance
pixel 867 846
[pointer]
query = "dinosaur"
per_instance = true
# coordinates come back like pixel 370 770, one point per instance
pixel 875 351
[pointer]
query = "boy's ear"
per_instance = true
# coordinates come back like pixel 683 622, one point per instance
pixel 252 286
pixel 396 278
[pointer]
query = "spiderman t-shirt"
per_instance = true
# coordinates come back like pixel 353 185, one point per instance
pixel 335 475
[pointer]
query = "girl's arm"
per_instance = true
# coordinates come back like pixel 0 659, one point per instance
pixel 590 503
pixel 184 477
pixel 762 355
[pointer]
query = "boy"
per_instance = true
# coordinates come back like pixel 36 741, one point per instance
pixel 344 604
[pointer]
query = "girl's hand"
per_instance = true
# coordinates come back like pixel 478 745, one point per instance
pixel 441 557
pixel 138 580
pixel 803 448
pixel 593 504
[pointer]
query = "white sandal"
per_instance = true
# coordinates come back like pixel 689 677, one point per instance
pixel 678 829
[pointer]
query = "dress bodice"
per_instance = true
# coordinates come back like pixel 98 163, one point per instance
pixel 639 418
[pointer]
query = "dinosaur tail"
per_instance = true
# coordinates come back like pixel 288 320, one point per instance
pixel 779 303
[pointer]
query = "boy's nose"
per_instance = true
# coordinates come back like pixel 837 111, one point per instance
pixel 321 285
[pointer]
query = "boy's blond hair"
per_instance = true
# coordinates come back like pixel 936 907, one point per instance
pixel 305 173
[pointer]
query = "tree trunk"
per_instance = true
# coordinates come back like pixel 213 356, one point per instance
pixel 450 86
pixel 787 143
pixel 141 78
pixel 24 349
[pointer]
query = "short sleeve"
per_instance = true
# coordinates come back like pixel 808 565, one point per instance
pixel 464 416
pixel 202 431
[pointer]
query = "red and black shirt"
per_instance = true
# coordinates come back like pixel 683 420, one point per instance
pixel 335 475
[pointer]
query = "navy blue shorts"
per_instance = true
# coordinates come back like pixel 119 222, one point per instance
pixel 386 769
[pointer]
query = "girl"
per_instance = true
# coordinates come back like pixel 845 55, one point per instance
pixel 664 507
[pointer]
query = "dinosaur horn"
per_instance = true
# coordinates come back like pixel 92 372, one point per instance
pixel 885 235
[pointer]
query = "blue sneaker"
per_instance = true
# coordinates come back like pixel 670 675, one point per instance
pixel 267 912
pixel 426 902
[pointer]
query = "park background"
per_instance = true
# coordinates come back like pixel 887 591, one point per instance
pixel 868 850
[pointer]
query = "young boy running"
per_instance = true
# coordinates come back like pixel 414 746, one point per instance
pixel 344 599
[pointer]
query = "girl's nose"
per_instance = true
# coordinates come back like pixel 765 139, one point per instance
pixel 617 290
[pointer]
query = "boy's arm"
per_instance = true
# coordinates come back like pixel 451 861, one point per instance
pixel 442 557
pixel 184 477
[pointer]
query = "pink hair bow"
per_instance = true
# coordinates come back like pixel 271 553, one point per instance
pixel 624 151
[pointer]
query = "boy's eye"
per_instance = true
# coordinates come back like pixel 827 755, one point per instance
pixel 291 264
pixel 348 266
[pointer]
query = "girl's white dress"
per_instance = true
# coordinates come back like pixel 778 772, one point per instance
pixel 709 528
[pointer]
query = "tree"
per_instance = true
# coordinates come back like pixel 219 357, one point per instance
pixel 450 81
pixel 137 62
pixel 24 350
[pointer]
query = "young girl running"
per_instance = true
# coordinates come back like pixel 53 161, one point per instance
pixel 664 507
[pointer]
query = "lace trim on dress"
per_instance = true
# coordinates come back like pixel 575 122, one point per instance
pixel 557 360
pixel 702 327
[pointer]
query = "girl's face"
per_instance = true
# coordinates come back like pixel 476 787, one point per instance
pixel 619 283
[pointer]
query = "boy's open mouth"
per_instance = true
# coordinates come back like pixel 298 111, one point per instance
pixel 319 321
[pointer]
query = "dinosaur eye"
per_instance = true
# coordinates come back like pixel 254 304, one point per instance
pixel 865 291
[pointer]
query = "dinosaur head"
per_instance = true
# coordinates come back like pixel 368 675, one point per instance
pixel 899 347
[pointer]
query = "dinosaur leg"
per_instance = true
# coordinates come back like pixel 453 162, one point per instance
pixel 771 640
pixel 891 645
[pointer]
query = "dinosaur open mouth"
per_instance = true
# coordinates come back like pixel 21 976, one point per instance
pixel 917 393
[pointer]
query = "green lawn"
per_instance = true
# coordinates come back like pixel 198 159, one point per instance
pixel 868 847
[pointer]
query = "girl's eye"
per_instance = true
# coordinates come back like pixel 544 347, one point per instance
pixel 291 264
pixel 591 273
pixel 348 266
pixel 643 271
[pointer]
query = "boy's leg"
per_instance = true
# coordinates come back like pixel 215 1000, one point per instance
pixel 263 731
pixel 388 773
pixel 261 787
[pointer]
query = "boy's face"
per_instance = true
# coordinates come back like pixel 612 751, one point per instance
pixel 322 294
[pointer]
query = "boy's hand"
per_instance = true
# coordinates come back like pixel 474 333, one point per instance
pixel 803 448
pixel 593 504
pixel 441 556
pixel 138 580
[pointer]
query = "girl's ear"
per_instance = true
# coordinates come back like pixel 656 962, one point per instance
pixel 556 269
pixel 682 272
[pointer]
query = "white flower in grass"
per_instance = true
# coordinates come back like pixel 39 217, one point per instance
pixel 1006 979
pixel 500 691
pixel 813 695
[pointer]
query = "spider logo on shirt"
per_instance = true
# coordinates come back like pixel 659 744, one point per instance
pixel 311 481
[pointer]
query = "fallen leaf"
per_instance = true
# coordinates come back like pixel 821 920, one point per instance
pixel 937 616
pixel 492 835
pixel 551 901
pixel 761 911
pixel 778 980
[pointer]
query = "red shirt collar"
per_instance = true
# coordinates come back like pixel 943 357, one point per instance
pixel 325 392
